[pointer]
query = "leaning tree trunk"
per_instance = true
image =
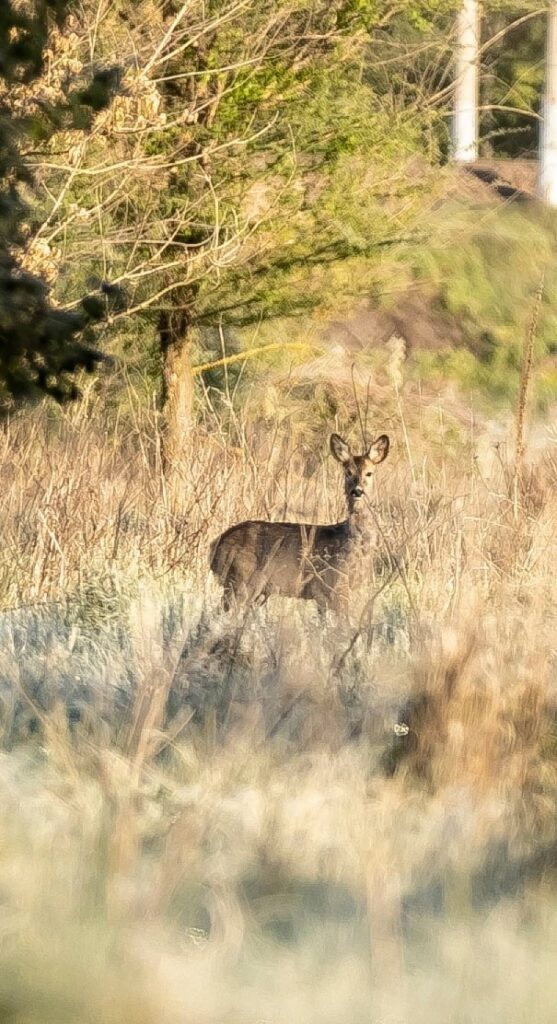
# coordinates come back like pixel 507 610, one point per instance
pixel 177 397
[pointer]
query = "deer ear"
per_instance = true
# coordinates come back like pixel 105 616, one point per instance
pixel 340 449
pixel 379 449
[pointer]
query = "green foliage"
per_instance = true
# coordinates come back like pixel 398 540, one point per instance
pixel 424 15
pixel 251 154
pixel 484 267
pixel 512 77
pixel 260 160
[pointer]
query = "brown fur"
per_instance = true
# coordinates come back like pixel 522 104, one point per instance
pixel 255 559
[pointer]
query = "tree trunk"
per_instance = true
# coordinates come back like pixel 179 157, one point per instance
pixel 466 83
pixel 177 398
pixel 548 148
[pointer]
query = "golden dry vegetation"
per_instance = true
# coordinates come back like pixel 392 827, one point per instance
pixel 268 818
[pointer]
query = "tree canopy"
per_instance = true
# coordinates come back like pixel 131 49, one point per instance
pixel 213 163
pixel 249 149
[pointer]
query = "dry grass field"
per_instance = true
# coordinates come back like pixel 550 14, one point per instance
pixel 264 818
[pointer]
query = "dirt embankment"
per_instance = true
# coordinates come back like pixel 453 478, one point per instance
pixel 416 315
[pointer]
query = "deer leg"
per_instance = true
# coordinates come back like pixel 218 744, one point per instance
pixel 232 592
pixel 238 594
pixel 227 597
pixel 321 614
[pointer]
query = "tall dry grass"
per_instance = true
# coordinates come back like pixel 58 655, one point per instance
pixel 210 818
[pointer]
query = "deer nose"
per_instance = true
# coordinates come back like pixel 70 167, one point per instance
pixel 357 492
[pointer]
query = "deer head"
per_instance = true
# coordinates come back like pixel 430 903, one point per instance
pixel 359 470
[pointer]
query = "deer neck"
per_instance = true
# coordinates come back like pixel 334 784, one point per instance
pixel 361 527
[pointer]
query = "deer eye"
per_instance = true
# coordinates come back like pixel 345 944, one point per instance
pixel 370 473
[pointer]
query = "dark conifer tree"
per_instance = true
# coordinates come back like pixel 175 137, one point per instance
pixel 42 347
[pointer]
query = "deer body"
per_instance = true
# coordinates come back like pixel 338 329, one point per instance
pixel 256 559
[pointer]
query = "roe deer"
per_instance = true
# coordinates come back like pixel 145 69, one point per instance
pixel 255 559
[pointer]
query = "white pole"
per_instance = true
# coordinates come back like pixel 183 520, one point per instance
pixel 548 147
pixel 466 83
